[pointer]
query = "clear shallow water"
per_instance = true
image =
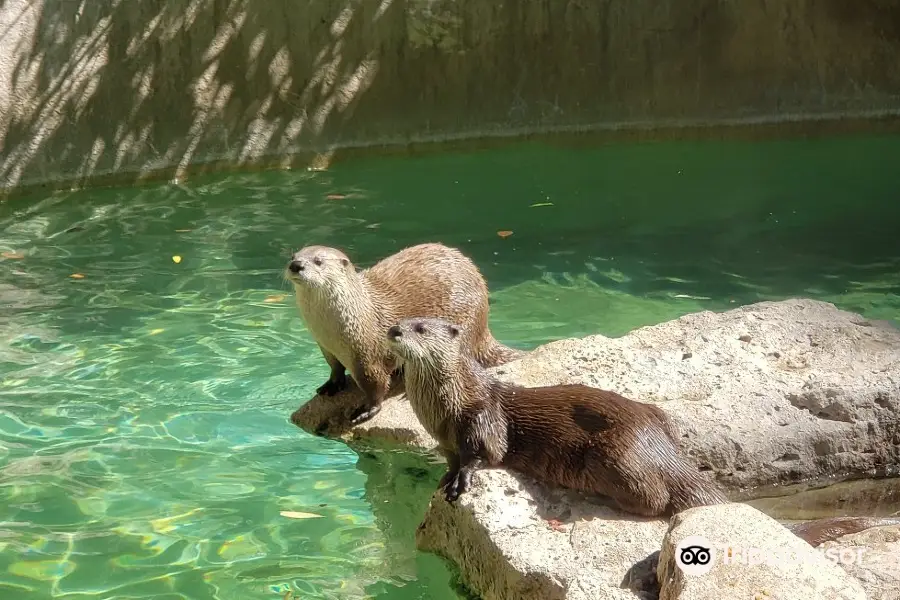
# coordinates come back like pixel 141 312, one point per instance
pixel 145 448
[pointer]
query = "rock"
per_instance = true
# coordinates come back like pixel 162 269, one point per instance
pixel 873 557
pixel 501 537
pixel 396 422
pixel 787 568
pixel 814 393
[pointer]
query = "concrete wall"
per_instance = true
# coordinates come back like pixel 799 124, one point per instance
pixel 134 87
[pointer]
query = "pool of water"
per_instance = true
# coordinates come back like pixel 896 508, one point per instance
pixel 145 447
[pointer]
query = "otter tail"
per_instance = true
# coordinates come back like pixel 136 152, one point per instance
pixel 688 488
pixel 493 354
pixel 826 530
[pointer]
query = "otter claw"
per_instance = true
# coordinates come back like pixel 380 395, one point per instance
pixel 455 484
pixel 364 415
pixel 332 387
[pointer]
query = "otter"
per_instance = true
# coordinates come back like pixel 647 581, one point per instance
pixel 348 312
pixel 575 436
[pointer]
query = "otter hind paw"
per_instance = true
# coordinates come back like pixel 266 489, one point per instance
pixel 455 484
pixel 363 414
pixel 332 387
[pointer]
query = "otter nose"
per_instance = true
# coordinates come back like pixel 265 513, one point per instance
pixel 296 266
pixel 394 332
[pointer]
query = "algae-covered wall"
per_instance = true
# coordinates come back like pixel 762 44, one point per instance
pixel 92 87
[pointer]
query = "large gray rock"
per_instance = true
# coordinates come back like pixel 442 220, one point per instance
pixel 784 566
pixel 771 393
pixel 873 557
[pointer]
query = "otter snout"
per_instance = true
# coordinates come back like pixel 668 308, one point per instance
pixel 296 266
pixel 394 333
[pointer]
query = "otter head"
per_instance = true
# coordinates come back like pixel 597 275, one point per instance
pixel 318 267
pixel 425 341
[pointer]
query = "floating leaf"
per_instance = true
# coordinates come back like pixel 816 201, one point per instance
pixel 335 196
pixel 176 259
pixel 182 230
pixel 290 514
pixel 542 204
pixel 273 299
pixel 76 276
pixel 504 234
pixel 156 331
pixel 12 255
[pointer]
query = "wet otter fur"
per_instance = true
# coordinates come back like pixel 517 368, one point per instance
pixel 575 436
pixel 348 312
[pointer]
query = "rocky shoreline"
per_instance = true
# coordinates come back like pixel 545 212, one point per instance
pixel 764 395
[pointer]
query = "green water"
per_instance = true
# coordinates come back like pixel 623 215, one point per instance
pixel 145 448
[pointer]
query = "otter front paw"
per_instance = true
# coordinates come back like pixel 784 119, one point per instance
pixel 332 387
pixel 455 483
pixel 363 414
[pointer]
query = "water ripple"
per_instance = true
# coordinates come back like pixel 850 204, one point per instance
pixel 145 450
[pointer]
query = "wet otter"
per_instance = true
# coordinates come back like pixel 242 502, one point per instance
pixel 576 436
pixel 348 312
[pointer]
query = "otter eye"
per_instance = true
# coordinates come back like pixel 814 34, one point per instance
pixel 454 331
pixel 317 261
pixel 419 328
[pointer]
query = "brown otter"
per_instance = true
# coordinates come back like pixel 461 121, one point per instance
pixel 575 436
pixel 348 312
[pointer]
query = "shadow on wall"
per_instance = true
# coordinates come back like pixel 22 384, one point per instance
pixel 117 85
pixel 92 88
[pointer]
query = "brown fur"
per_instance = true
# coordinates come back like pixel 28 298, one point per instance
pixel 574 436
pixel 348 312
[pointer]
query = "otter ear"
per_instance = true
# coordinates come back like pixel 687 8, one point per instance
pixel 454 330
pixel 345 262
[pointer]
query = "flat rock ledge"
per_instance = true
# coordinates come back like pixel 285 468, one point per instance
pixel 765 395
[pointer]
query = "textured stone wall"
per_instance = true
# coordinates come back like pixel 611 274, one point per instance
pixel 137 87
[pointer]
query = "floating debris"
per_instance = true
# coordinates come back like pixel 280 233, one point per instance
pixel 290 514
pixel 176 259
pixel 504 234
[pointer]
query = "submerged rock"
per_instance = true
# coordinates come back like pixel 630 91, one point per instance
pixel 764 395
